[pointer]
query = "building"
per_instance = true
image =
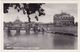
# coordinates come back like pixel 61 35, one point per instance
pixel 17 23
pixel 63 19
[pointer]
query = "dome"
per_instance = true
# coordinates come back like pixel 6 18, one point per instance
pixel 17 21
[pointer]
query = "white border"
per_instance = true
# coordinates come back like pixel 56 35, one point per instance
pixel 36 1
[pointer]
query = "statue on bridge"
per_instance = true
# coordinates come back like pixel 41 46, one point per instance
pixel 35 29
pixel 8 31
pixel 18 31
pixel 27 28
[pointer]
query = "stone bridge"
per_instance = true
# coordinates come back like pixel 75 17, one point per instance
pixel 35 29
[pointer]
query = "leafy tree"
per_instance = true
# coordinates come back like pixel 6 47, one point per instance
pixel 29 8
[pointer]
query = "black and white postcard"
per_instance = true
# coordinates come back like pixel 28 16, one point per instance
pixel 40 26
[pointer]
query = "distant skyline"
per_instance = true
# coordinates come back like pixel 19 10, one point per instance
pixel 50 9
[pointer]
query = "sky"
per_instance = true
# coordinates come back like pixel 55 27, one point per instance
pixel 50 10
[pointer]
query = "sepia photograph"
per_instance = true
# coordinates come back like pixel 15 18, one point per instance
pixel 40 26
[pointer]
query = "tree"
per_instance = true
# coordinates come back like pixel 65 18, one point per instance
pixel 28 9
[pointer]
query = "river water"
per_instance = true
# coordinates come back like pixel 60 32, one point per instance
pixel 39 41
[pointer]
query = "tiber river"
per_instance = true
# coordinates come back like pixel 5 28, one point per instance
pixel 39 41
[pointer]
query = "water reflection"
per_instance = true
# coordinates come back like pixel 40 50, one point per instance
pixel 41 41
pixel 64 42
